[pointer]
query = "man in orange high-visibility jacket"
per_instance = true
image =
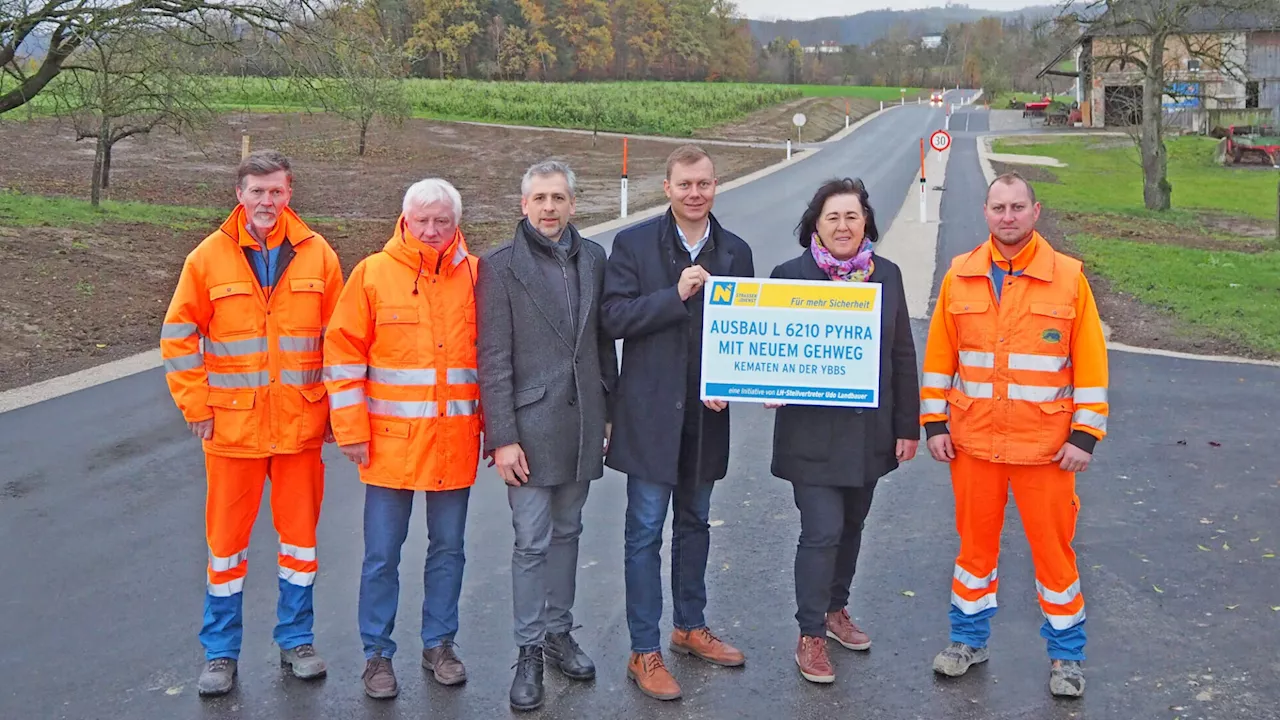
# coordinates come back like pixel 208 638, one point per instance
pixel 400 365
pixel 1014 395
pixel 242 354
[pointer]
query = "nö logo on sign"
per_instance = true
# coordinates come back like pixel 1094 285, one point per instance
pixel 722 293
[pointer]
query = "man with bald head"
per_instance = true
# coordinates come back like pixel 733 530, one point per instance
pixel 1014 396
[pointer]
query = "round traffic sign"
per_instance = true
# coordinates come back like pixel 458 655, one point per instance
pixel 799 119
pixel 940 140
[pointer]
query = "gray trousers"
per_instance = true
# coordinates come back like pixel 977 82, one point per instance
pixel 544 561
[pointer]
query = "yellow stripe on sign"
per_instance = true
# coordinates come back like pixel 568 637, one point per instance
pixel 745 295
pixel 833 296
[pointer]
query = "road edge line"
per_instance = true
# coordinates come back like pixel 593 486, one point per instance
pixel 21 397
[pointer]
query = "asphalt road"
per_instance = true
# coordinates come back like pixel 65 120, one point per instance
pixel 102 552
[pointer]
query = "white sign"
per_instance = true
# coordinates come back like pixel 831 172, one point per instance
pixel 799 119
pixel 798 342
pixel 940 140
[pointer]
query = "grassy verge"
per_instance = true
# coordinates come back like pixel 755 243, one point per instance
pixel 1103 174
pixel 1212 263
pixel 19 210
pixel 858 91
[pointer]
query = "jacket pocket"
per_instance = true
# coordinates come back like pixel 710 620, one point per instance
pixel 395 336
pixel 389 450
pixel 1055 425
pixel 971 329
pixel 235 424
pixel 235 310
pixel 529 395
pixel 1050 326
pixel 305 309
pixel 314 413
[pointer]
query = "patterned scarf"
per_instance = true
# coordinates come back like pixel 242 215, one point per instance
pixel 856 269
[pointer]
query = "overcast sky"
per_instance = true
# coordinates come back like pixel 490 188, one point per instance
pixel 807 9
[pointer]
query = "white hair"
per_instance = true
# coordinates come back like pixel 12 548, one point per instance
pixel 430 191
pixel 548 168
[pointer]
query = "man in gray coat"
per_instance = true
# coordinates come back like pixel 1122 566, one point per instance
pixel 545 373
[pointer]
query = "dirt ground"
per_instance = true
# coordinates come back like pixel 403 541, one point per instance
pixel 74 297
pixel 824 117
pixel 1131 321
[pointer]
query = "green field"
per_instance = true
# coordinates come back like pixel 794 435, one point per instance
pixel 1212 287
pixel 648 108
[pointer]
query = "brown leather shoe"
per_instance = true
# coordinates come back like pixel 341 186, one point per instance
pixel 811 656
pixel 444 664
pixel 652 677
pixel 701 643
pixel 840 628
pixel 379 679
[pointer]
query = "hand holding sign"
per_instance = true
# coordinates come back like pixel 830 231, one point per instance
pixel 691 281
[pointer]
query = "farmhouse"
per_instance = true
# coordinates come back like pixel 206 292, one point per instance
pixel 1219 70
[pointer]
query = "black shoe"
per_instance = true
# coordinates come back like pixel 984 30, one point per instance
pixel 526 688
pixel 563 653
pixel 218 677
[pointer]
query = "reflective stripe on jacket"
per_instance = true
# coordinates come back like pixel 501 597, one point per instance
pixel 1016 379
pixel 400 365
pixel 249 362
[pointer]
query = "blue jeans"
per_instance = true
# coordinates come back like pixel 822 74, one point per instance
pixel 647 504
pixel 386 525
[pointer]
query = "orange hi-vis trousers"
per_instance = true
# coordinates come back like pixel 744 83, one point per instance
pixel 235 487
pixel 1046 499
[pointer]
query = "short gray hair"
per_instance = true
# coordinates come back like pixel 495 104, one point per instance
pixel 547 168
pixel 263 162
pixel 431 191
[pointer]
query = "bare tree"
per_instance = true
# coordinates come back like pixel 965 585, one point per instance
pixel 1149 38
pixel 346 65
pixel 56 29
pixel 126 83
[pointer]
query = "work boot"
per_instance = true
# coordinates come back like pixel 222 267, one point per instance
pixel 562 652
pixel 379 678
pixel 841 628
pixel 304 662
pixel 956 659
pixel 701 643
pixel 218 677
pixel 811 656
pixel 652 677
pixel 444 664
pixel 526 688
pixel 1066 678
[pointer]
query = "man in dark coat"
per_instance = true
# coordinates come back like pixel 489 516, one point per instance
pixel 670 444
pixel 545 371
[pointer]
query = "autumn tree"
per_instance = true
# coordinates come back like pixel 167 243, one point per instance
pixel 129 82
pixel 639 36
pixel 1152 36
pixel 446 28
pixel 584 29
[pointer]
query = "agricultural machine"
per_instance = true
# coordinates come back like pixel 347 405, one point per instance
pixel 1253 142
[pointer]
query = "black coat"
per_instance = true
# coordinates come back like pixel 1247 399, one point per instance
pixel 853 447
pixel 661 335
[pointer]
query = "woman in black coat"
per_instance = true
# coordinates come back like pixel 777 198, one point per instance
pixel 833 456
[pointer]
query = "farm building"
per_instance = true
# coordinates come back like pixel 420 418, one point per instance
pixel 1221 70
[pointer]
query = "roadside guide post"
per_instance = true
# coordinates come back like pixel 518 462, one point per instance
pixel 788 148
pixel 244 146
pixel 903 99
pixel 624 177
pixel 846 114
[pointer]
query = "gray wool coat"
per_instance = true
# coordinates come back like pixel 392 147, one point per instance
pixel 543 384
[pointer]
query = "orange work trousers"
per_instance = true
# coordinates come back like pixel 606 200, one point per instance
pixel 1046 499
pixel 235 487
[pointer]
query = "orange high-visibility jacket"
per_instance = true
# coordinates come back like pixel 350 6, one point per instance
pixel 1015 379
pixel 400 364
pixel 249 361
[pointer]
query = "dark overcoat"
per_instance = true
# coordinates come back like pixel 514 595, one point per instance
pixel 661 338
pixel 852 447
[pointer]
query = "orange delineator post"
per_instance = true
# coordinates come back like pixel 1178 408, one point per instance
pixel 924 210
pixel 624 177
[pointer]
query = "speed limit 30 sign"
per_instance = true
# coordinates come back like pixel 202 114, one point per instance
pixel 940 140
